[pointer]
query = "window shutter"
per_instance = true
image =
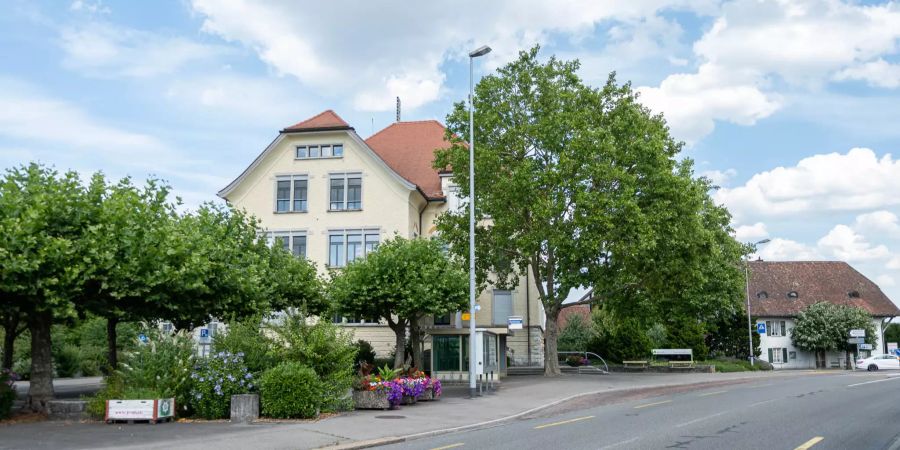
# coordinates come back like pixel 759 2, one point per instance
pixel 783 329
pixel 784 358
pixel 770 356
pixel 769 329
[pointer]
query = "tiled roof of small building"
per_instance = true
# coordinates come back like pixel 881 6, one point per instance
pixel 773 282
pixel 325 120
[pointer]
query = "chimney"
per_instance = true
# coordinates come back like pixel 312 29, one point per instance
pixel 398 109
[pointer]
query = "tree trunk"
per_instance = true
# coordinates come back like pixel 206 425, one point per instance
pixel 112 355
pixel 10 332
pixel 400 351
pixel 415 338
pixel 40 390
pixel 551 334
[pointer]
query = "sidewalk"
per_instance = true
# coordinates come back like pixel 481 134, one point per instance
pixel 518 396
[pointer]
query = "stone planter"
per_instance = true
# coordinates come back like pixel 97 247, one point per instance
pixel 244 408
pixel 371 400
pixel 428 395
pixel 408 400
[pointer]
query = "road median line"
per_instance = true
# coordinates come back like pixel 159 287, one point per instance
pixel 548 425
pixel 646 405
pixel 873 381
pixel 808 444
pixel 707 394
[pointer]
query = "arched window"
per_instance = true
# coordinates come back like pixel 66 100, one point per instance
pixel 793 294
pixel 853 294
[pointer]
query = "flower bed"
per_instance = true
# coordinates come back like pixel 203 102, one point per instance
pixel 388 389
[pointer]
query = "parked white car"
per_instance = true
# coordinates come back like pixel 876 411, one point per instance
pixel 878 362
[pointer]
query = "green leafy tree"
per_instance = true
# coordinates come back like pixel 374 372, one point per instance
pixel 576 335
pixel 824 327
pixel 43 215
pixel 582 188
pixel 727 336
pixel 892 333
pixel 402 281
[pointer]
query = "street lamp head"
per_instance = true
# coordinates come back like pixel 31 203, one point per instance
pixel 764 241
pixel 480 51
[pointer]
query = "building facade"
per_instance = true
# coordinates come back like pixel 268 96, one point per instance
pixel 779 291
pixel 331 197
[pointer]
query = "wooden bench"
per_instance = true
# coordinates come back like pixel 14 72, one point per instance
pixel 635 364
pixel 669 352
pixel 681 364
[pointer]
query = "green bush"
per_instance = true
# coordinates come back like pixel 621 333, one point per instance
pixel 246 337
pixel 618 339
pixel 291 390
pixel 215 380
pixel 364 353
pixel 7 393
pixel 67 361
pixel 163 365
pixel 324 348
pixel 115 389
pixel 576 336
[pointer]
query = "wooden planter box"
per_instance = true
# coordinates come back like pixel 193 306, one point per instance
pixel 371 400
pixel 153 411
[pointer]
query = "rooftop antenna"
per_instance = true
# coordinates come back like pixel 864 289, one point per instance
pixel 373 125
pixel 398 109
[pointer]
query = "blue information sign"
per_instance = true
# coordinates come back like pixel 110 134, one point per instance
pixel 143 338
pixel 761 328
pixel 204 332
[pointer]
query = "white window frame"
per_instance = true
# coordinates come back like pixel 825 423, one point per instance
pixel 364 234
pixel 776 328
pixel 319 148
pixel 777 355
pixel 345 177
pixel 512 305
pixel 290 235
pixel 291 179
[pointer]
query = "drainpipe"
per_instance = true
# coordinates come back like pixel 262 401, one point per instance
pixel 528 314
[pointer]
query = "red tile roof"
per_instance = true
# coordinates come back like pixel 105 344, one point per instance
pixel 813 281
pixel 325 120
pixel 408 148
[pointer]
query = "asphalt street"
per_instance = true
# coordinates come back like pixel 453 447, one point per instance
pixel 856 410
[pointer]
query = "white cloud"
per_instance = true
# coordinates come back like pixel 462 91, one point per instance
pixel 878 73
pixel 107 51
pixel 787 250
pixel 383 50
pixel 804 42
pixel 847 245
pixel 719 177
pixel 885 281
pixel 751 233
pixel 894 263
pixel 857 180
pixel 882 223
pixel 692 103
pixel 89 7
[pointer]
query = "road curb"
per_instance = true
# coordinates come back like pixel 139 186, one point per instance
pixel 426 434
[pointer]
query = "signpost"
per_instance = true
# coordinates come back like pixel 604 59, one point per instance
pixel 856 340
pixel 143 338
pixel 761 328
pixel 865 346
pixel 514 322
pixel 858 333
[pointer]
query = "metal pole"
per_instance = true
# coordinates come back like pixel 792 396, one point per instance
pixel 749 324
pixel 472 356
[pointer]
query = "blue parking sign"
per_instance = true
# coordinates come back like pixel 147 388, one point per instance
pixel 204 332
pixel 761 328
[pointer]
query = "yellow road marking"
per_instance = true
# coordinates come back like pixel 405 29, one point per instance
pixel 563 422
pixel 712 393
pixel 458 444
pixel 806 445
pixel 652 404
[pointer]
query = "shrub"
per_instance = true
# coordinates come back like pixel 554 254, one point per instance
pixel 323 347
pixel 67 361
pixel 162 365
pixel 576 335
pixel 215 380
pixel 364 353
pixel 7 392
pixel 291 390
pixel 619 339
pixel 247 337
pixel 115 389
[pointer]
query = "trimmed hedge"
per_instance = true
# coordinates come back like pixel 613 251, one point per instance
pixel 290 390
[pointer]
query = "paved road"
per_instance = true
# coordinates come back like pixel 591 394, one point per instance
pixel 828 411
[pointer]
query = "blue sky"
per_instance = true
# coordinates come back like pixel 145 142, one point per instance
pixel 791 107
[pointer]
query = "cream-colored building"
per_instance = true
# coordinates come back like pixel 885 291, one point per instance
pixel 333 196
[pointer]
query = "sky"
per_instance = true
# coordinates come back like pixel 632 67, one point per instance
pixel 792 107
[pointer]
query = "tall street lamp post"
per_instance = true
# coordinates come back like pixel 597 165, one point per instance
pixel 480 51
pixel 749 324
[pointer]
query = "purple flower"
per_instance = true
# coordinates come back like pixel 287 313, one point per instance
pixel 230 378
pixel 248 376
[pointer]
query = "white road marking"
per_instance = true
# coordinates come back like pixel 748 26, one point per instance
pixel 711 393
pixel 699 420
pixel 763 402
pixel 652 404
pixel 619 443
pixel 458 444
pixel 563 422
pixel 806 445
pixel 874 381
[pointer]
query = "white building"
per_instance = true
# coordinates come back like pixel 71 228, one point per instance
pixel 780 290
